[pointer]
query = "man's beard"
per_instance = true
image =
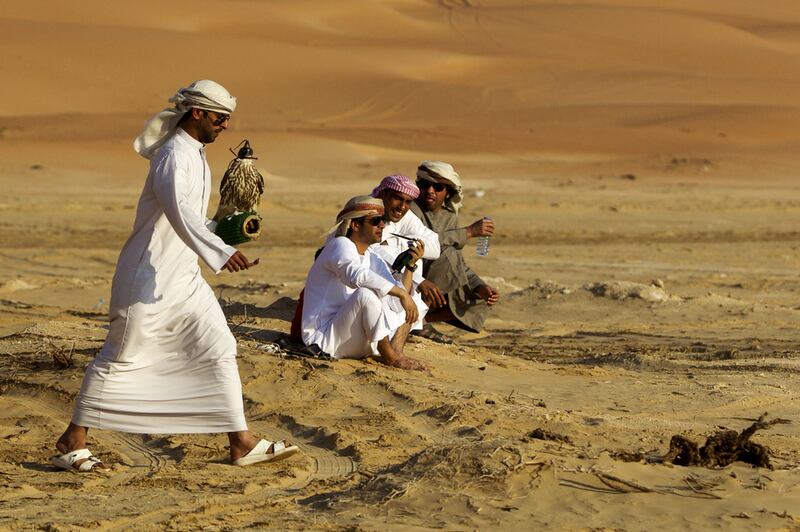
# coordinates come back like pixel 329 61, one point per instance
pixel 207 137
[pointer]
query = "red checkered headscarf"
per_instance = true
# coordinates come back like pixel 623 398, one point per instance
pixel 399 183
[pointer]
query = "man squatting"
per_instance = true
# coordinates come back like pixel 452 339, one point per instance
pixel 353 306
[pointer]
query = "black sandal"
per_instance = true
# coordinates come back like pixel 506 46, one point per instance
pixel 429 332
pixel 291 347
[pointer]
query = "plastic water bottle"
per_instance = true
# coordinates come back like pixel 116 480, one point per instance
pixel 482 247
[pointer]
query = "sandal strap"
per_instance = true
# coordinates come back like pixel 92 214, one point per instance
pixel 91 462
pixel 428 331
pixel 78 454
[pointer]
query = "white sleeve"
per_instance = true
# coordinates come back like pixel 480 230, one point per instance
pixel 412 226
pixel 171 187
pixel 386 252
pixel 341 257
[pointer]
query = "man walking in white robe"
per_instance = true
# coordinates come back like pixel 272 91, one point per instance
pixel 168 364
pixel 353 307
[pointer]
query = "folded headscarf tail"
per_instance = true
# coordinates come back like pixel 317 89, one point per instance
pixel 202 94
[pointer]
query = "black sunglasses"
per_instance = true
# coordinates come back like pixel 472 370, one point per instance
pixel 221 118
pixel 375 220
pixel 424 184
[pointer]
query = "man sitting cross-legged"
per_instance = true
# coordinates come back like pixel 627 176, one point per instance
pixel 353 307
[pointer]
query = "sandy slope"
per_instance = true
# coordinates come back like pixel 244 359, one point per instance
pixel 614 142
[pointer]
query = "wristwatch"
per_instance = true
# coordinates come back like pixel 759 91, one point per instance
pixel 411 267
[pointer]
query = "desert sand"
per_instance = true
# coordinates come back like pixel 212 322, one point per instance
pixel 640 159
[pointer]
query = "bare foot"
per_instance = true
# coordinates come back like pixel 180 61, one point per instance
pixel 405 362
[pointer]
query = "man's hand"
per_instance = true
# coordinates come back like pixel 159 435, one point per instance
pixel 238 262
pixel 412 312
pixel 483 227
pixel 431 295
pixel 417 250
pixel 488 294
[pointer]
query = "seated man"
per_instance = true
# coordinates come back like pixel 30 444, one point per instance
pixel 453 292
pixel 353 307
pixel 402 227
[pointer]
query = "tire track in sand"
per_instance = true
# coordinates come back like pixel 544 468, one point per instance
pixel 327 463
pixel 145 461
pixel 141 461
pixel 139 458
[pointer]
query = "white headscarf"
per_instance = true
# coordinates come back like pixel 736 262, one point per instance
pixel 202 94
pixel 438 170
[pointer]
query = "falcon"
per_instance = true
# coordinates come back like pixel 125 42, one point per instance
pixel 242 185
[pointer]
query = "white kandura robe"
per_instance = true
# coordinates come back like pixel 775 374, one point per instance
pixel 346 306
pixel 411 226
pixel 168 364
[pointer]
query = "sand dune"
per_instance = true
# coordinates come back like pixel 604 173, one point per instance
pixel 639 158
pixel 524 77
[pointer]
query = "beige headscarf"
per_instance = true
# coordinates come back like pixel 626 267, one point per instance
pixel 202 94
pixel 438 170
pixel 355 208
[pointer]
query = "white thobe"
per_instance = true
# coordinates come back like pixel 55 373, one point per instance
pixel 168 364
pixel 346 306
pixel 411 226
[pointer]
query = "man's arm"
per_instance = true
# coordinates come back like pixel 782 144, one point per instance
pixel 458 236
pixel 412 312
pixel 171 188
pixel 341 257
pixel 486 292
pixel 472 278
pixel 482 227
pixel 416 251
pixel 410 225
pixel 450 235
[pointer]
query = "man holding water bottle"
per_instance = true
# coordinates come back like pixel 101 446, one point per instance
pixel 454 293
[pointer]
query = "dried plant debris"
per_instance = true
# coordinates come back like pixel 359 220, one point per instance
pixel 723 447
pixel 626 456
pixel 543 434
pixel 63 359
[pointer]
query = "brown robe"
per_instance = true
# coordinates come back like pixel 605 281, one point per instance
pixel 450 272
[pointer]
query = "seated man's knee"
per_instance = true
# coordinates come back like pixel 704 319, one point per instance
pixel 366 297
pixel 368 306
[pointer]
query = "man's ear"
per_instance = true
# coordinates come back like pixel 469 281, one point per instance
pixel 197 114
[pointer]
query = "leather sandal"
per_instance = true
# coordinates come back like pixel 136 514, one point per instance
pixel 429 332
